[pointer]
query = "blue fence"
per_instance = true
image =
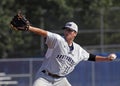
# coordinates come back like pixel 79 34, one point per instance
pixel 85 74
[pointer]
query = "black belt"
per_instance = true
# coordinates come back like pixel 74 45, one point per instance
pixel 50 74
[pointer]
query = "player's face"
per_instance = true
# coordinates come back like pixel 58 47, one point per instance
pixel 70 34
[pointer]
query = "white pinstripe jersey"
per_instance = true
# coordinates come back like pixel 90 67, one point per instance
pixel 59 59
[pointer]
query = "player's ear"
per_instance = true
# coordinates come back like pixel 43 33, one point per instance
pixel 75 33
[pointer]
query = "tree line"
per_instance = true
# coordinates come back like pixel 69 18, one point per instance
pixel 51 15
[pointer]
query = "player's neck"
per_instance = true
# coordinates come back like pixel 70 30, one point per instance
pixel 70 42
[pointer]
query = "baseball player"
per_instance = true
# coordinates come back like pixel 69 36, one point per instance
pixel 63 53
pixel 62 56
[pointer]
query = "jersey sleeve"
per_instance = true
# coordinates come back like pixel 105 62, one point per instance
pixel 84 54
pixel 51 39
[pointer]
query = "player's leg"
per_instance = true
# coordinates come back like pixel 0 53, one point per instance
pixel 62 82
pixel 41 82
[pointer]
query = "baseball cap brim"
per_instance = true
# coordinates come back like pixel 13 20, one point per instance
pixel 68 28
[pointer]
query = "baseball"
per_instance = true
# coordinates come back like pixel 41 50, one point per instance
pixel 113 56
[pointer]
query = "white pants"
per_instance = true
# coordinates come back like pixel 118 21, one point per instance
pixel 46 82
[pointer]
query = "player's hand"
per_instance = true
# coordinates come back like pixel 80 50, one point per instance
pixel 112 57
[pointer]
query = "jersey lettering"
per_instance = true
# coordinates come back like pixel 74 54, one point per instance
pixel 67 58
pixel 67 63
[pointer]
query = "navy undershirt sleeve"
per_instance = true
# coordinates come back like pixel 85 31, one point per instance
pixel 91 57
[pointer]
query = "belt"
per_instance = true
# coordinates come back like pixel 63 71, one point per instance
pixel 50 74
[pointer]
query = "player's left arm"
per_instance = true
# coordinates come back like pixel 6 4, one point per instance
pixel 38 31
pixel 98 58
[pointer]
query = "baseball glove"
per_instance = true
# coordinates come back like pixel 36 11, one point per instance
pixel 19 22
